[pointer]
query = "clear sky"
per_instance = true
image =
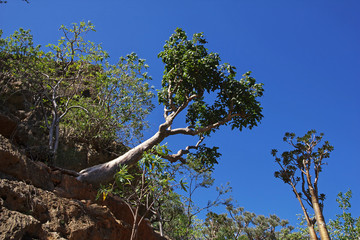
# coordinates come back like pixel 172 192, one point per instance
pixel 306 52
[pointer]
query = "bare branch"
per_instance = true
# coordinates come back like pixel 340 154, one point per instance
pixel 179 155
pixel 170 93
pixel 190 131
pixel 303 188
pixel 67 110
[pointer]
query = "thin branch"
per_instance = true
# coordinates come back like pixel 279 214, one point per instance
pixel 178 156
pixel 308 200
pixel 190 131
pixel 67 110
pixel 170 93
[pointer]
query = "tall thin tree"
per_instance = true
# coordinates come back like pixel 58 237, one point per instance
pixel 301 168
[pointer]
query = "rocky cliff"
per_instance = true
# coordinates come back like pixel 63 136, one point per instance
pixel 40 202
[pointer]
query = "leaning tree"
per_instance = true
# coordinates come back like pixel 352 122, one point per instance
pixel 194 82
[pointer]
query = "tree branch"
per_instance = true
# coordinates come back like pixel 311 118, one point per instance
pixel 178 156
pixel 67 110
pixel 308 197
pixel 189 131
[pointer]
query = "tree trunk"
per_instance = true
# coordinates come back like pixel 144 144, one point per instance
pixel 51 132
pixel 57 135
pixel 135 225
pixel 104 173
pixel 310 224
pixel 312 232
pixel 158 214
pixel 324 234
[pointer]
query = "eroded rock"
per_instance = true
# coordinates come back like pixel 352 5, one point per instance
pixel 37 202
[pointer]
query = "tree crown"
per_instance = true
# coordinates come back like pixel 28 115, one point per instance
pixel 192 73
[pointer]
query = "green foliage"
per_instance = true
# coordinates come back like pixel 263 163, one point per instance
pixel 296 164
pixel 72 46
pixel 19 44
pixel 117 97
pixel 150 178
pixel 176 222
pixel 302 229
pixel 164 192
pixel 74 86
pixel 204 158
pixel 218 226
pixel 184 222
pixel 119 103
pixel 191 71
pixel 345 226
pixel 18 56
pixel 144 189
pixel 240 224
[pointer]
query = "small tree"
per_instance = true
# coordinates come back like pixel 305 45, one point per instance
pixel 64 70
pixel 196 177
pixel 301 168
pixel 54 78
pixel 194 80
pixel 345 226
pixel 219 226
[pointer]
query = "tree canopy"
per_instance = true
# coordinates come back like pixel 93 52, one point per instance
pixel 191 72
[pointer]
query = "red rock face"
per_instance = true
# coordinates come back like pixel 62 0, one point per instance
pixel 38 202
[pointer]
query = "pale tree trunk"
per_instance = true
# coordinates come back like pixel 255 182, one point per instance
pixel 135 225
pixel 57 135
pixel 105 172
pixel 51 132
pixel 161 228
pixel 54 134
pixel 312 232
pixel 324 234
pixel 54 126
pixel 158 214
pixel 310 223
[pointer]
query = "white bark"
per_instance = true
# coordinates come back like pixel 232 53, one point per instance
pixel 105 172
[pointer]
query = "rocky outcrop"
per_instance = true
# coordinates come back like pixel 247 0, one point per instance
pixel 39 202
pixel 15 164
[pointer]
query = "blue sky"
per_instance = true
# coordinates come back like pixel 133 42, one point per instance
pixel 307 54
